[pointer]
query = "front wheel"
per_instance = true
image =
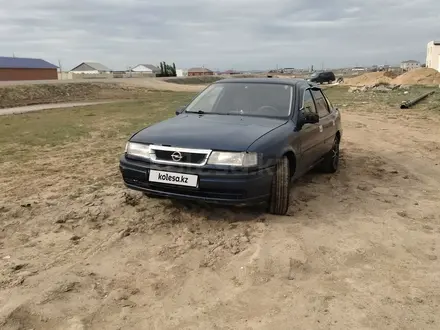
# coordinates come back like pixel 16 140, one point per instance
pixel 280 190
pixel 330 164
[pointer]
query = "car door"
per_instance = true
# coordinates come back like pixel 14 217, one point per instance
pixel 310 135
pixel 326 121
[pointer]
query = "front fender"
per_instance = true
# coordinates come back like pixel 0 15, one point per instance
pixel 273 145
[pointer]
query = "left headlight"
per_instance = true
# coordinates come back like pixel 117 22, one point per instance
pixel 137 150
pixel 243 159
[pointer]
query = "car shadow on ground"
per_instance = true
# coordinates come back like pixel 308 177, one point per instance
pixel 259 212
pixel 217 212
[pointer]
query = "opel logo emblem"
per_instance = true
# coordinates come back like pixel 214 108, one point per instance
pixel 176 156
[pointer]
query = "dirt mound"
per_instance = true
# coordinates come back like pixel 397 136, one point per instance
pixel 204 80
pixel 421 76
pixel 22 95
pixel 371 78
pixel 194 80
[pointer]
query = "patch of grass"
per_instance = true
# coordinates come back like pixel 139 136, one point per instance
pixel 340 96
pixel 51 128
pixel 107 126
pixel 21 95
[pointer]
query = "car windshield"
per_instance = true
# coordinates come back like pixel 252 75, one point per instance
pixel 314 74
pixel 245 99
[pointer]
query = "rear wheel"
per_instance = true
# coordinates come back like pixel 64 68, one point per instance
pixel 330 164
pixel 280 190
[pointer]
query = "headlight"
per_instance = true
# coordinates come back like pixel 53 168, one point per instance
pixel 244 159
pixel 137 150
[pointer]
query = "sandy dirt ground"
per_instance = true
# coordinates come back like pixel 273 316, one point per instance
pixel 358 250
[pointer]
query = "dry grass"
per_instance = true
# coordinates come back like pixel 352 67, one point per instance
pixel 380 100
pixel 21 95
pixel 26 134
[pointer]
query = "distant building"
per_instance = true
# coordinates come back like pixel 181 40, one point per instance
pixel 200 72
pixel 409 65
pixel 21 68
pixel 384 67
pixel 433 55
pixel 358 68
pixel 146 68
pixel 229 72
pixel 90 68
pixel 181 73
pixel 289 70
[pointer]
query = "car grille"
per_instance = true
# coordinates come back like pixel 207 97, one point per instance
pixel 178 156
pixel 187 157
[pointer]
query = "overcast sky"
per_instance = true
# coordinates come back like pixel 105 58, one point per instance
pixel 220 34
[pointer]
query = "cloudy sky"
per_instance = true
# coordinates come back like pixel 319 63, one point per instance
pixel 220 34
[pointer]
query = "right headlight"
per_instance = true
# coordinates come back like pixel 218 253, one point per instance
pixel 242 159
pixel 138 150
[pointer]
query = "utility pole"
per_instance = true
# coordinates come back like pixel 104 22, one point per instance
pixel 61 70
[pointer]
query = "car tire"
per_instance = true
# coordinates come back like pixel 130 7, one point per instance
pixel 280 190
pixel 330 164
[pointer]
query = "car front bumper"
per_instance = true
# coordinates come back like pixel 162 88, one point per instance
pixel 214 185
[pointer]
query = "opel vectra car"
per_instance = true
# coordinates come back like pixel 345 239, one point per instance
pixel 240 141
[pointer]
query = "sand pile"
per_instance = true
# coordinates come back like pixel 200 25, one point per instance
pixel 371 78
pixel 421 76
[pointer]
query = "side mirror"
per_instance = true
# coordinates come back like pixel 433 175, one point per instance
pixel 180 110
pixel 311 118
pixel 307 118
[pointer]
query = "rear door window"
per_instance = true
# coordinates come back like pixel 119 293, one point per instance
pixel 330 105
pixel 321 103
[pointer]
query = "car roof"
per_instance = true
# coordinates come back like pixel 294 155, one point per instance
pixel 281 81
pixel 296 82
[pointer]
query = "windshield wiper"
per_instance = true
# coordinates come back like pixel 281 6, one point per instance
pixel 200 112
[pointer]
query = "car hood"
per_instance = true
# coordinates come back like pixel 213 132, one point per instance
pixel 217 132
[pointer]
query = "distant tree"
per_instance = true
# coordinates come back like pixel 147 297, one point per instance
pixel 167 70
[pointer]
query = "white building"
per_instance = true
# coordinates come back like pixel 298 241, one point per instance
pixel 146 68
pixel 90 68
pixel 181 73
pixel 409 65
pixel 433 55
